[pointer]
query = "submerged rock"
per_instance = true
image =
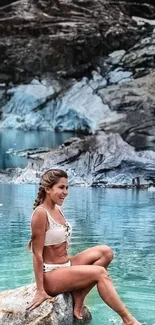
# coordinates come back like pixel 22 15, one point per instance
pixel 13 305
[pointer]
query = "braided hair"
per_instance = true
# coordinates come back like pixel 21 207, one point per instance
pixel 48 180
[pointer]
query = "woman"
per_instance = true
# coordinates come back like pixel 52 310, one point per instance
pixel 55 271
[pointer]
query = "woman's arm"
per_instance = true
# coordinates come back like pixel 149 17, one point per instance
pixel 38 226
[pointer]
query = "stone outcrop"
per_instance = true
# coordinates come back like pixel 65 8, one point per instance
pixel 13 305
pixel 117 97
pixel 132 98
pixel 135 106
pixel 97 160
pixel 63 37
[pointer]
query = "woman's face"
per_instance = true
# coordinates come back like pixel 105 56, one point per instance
pixel 59 191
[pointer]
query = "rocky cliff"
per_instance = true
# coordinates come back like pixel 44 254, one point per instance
pixel 96 160
pixel 117 97
pixel 63 37
pixel 86 66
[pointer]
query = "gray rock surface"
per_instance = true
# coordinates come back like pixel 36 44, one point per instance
pixel 135 104
pixel 13 305
pixel 97 160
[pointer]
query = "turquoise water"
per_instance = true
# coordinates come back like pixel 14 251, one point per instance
pixel 123 219
pixel 20 140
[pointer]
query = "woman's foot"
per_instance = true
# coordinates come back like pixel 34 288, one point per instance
pixel 78 312
pixel 130 321
pixel 78 305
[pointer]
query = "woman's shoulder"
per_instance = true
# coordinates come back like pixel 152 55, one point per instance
pixel 39 212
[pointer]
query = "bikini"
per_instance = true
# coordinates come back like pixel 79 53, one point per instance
pixel 56 234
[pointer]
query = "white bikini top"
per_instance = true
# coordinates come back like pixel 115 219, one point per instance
pixel 57 233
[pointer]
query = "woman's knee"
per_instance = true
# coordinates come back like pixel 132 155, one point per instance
pixel 107 253
pixel 100 272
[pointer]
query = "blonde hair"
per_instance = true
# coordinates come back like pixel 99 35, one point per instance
pixel 47 180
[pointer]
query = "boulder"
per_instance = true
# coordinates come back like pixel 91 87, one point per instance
pixel 13 305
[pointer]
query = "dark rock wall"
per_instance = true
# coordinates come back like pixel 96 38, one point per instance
pixel 63 37
pixel 142 8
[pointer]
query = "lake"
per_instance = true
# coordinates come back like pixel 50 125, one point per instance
pixel 122 219
pixel 21 140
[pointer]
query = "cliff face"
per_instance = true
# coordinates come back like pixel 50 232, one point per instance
pixel 64 37
pixel 117 97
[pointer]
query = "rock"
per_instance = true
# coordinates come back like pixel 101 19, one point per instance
pixel 27 152
pixel 122 83
pixel 77 109
pixel 119 76
pixel 116 56
pixel 134 99
pixel 25 98
pixel 97 160
pixel 71 140
pixel 13 305
pixel 80 109
pixel 6 176
pixel 142 21
pixel 63 37
pixel 134 103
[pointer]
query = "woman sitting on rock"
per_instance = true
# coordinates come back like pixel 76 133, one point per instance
pixel 55 271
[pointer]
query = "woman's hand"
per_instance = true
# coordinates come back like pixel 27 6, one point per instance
pixel 39 297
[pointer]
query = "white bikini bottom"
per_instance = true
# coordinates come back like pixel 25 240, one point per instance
pixel 51 267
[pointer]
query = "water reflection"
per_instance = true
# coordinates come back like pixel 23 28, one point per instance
pixel 19 140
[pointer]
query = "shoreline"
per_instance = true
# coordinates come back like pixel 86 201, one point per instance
pixel 112 186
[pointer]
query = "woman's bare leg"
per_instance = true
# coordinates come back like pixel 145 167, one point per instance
pixel 73 278
pixel 99 255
